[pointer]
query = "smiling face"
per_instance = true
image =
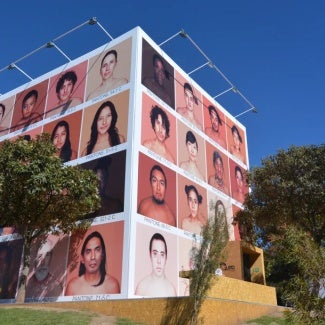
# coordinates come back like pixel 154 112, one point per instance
pixel 60 137
pixel 65 91
pixel 104 120
pixel 28 106
pixel 160 129
pixel 108 67
pixel 93 256
pixel 158 186
pixel 192 150
pixel 158 257
pixel 193 203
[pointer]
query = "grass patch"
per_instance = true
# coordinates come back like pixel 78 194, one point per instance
pixel 124 321
pixel 25 316
pixel 267 320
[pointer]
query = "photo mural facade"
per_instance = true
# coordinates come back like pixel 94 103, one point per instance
pixel 167 156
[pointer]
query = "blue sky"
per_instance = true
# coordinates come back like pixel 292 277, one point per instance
pixel 272 51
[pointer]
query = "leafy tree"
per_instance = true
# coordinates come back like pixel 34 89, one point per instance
pixel 285 215
pixel 38 194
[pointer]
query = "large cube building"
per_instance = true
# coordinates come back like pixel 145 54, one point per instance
pixel 167 155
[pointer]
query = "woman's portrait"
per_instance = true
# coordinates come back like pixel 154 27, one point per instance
pixel 191 164
pixel 60 138
pixel 104 132
pixel 237 145
pixel 194 221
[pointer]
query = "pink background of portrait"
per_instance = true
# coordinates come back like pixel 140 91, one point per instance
pixel 207 122
pixel 40 105
pixel 59 257
pixel 33 133
pixel 147 130
pixel 121 103
pixel 209 158
pixel 122 69
pixel 74 121
pixel 180 100
pixel 183 208
pixel 112 234
pixel 232 166
pixel 144 186
pixel 6 120
pixel 230 138
pixel 79 88
pixel 143 262
pixel 182 148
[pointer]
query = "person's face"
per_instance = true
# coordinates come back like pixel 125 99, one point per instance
pixel 214 121
pixel 104 120
pixel 221 209
pixel 92 256
pixel 108 66
pixel 158 185
pixel 28 106
pixel 189 100
pixel 60 137
pixel 158 257
pixel 192 150
pixel 235 137
pixel 160 129
pixel 159 72
pixel 239 180
pixel 42 263
pixel 193 203
pixel 66 90
pixel 218 166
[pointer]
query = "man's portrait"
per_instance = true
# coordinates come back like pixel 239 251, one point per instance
pixel 158 129
pixel 215 123
pixel 153 200
pixel 236 141
pixel 188 101
pixel 66 90
pixel 109 70
pixel 157 74
pixel 95 260
pixel 156 275
pixel 47 269
pixel 29 106
pixel 110 171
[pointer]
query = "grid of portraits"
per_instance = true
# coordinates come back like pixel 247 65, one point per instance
pixel 191 160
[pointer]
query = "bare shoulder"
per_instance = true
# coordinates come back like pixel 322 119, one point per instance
pixel 111 284
pixel 72 287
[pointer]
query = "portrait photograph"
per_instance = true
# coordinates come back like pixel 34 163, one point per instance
pixel 29 106
pixel 66 90
pixel 156 191
pixel 6 111
pixel 65 134
pixel 158 129
pixel 192 205
pixel 109 70
pixel 239 187
pixel 47 270
pixel 29 134
pixel 215 126
pixel 95 260
pixel 157 74
pixel 191 152
pixel 188 101
pixel 155 271
pixel 105 124
pixel 236 141
pixel 110 171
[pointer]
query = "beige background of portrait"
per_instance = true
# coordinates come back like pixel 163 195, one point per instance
pixel 9 105
pixel 122 69
pixel 121 103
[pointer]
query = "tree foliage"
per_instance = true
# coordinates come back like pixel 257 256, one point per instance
pixel 38 194
pixel 285 215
